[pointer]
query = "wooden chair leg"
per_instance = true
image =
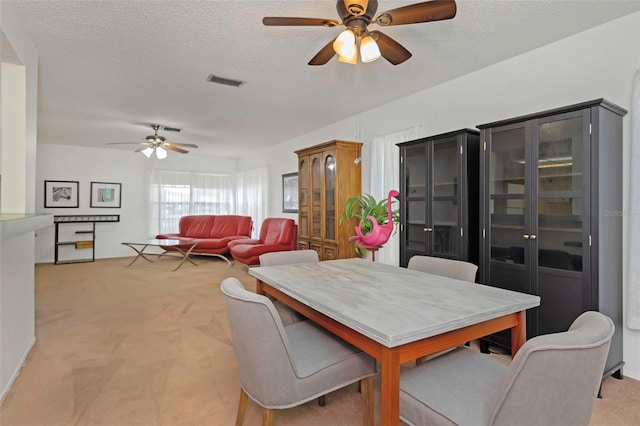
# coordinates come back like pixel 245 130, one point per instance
pixel 366 388
pixel 321 401
pixel 242 405
pixel 267 417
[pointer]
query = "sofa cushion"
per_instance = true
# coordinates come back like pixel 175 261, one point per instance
pixel 196 226
pixel 230 225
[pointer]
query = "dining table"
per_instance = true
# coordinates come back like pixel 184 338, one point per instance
pixel 393 313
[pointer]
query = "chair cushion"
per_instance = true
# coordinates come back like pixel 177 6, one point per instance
pixel 287 315
pixel 473 382
pixel 314 349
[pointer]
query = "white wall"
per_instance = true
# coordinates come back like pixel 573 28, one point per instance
pixel 86 165
pixel 17 332
pixel 599 63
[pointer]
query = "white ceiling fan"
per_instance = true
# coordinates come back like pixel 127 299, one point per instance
pixel 158 144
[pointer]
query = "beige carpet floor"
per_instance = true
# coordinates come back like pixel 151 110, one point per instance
pixel 143 345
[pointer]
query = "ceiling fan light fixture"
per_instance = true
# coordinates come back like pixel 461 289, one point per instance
pixel 369 50
pixel 147 151
pixel 345 43
pixel 161 153
pixel 353 59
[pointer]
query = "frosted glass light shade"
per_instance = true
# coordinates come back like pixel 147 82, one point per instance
pixel 161 153
pixel 369 50
pixel 345 43
pixel 353 59
pixel 147 151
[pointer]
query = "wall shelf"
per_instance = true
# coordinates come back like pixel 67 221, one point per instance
pixel 79 244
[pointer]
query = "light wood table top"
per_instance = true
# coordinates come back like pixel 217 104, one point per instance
pixel 395 314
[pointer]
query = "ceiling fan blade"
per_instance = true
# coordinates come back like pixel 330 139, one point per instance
pixel 287 21
pixel 170 147
pixel 324 55
pixel 125 143
pixel 188 145
pixel 428 11
pixel 390 49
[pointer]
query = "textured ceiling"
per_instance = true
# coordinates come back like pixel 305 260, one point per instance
pixel 109 67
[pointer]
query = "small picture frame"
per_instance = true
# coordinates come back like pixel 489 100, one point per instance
pixel 290 193
pixel 106 195
pixel 61 193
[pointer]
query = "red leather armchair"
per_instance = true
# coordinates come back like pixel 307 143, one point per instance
pixel 276 234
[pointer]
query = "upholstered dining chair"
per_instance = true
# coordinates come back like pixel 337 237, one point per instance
pixel 451 268
pixel 282 367
pixel 552 380
pixel 288 315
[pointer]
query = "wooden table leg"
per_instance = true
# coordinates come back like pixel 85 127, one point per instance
pixel 259 289
pixel 519 333
pixel 390 386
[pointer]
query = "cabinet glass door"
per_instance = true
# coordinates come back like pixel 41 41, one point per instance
pixel 446 228
pixel 507 204
pixel 329 198
pixel 560 199
pixel 303 198
pixel 561 216
pixel 415 161
pixel 316 193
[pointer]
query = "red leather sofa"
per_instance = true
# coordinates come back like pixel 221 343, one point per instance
pixel 214 232
pixel 276 234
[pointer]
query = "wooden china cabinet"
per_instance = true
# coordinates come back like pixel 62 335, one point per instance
pixel 328 175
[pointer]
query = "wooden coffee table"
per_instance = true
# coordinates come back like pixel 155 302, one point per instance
pixel 182 250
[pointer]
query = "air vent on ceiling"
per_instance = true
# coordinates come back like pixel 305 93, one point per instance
pixel 226 81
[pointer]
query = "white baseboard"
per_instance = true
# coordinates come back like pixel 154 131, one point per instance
pixel 15 374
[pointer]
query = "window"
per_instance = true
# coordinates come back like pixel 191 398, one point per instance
pixel 175 194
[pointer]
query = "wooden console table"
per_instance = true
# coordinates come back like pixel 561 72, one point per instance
pixel 80 244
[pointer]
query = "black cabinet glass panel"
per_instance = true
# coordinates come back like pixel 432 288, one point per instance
pixel 506 198
pixel 416 171
pixel 446 232
pixel 445 168
pixel 560 156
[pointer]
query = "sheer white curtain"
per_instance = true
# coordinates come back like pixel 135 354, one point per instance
pixel 633 258
pixel 251 195
pixel 174 194
pixel 385 176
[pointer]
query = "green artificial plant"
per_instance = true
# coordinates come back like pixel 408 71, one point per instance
pixel 365 205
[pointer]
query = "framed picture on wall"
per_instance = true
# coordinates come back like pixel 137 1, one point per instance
pixel 106 195
pixel 290 193
pixel 61 193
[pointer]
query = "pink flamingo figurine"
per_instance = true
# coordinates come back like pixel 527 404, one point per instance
pixel 380 233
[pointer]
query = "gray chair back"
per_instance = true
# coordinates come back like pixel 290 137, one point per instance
pixel 288 257
pixel 457 269
pixel 554 378
pixel 264 358
pixel 288 315
pixel 282 367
